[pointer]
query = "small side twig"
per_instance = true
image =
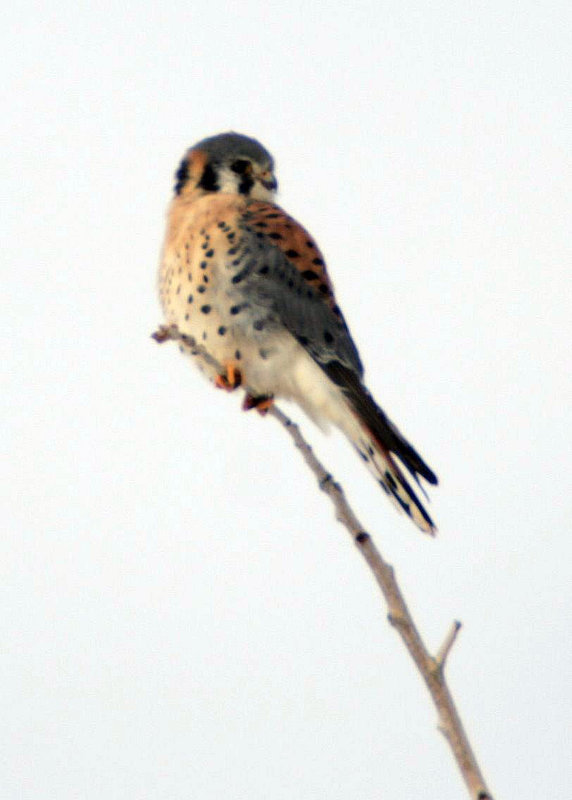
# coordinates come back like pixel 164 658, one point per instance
pixel 446 647
pixel 432 669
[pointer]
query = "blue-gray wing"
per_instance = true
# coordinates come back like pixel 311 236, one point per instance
pixel 284 273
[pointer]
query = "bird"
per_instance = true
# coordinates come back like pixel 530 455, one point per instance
pixel 248 285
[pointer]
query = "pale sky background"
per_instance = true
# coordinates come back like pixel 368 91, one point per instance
pixel 181 616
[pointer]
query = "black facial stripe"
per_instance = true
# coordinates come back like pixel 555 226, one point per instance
pixel 181 176
pixel 246 184
pixel 208 179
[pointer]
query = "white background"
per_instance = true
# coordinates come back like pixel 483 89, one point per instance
pixel 181 617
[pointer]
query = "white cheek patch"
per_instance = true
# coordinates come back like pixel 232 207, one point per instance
pixel 229 182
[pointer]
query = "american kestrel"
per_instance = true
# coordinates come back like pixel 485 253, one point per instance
pixel 249 284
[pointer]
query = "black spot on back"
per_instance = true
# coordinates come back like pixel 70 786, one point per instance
pixel 310 275
pixel 240 276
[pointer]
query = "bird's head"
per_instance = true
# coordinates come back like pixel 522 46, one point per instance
pixel 228 163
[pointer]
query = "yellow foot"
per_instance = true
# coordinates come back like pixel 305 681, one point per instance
pixel 262 403
pixel 230 379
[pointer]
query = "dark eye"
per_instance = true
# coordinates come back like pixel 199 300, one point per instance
pixel 240 166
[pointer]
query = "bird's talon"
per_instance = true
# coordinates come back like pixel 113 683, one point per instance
pixel 230 379
pixel 262 403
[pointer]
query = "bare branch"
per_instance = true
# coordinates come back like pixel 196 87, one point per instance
pixel 445 649
pixel 431 668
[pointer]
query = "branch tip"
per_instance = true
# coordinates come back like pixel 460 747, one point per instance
pixel 445 649
pixel 399 616
pixel 161 334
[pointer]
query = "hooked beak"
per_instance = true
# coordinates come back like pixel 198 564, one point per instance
pixel 268 180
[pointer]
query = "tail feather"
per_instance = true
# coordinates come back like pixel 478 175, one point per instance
pixel 392 480
pixel 380 444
